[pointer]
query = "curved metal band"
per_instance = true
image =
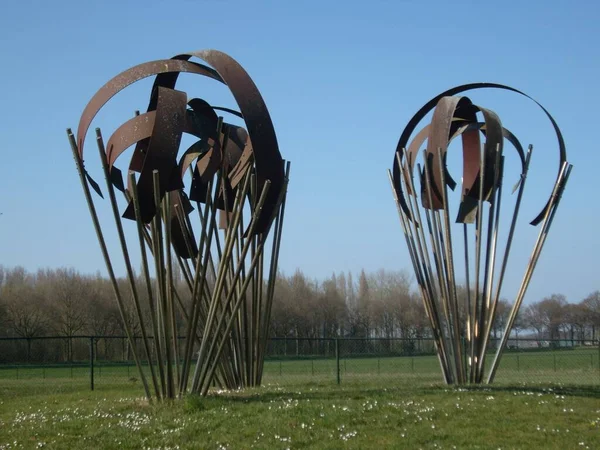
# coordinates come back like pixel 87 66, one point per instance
pixel 127 78
pixel 414 121
pixel 268 160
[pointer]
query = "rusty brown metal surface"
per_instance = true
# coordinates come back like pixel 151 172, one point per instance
pixel 269 165
pixel 403 142
pixel 157 133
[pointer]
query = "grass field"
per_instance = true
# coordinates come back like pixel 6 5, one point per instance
pixel 540 400
pixel 412 415
pixel 580 366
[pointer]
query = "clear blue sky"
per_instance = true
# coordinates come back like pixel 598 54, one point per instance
pixel 340 80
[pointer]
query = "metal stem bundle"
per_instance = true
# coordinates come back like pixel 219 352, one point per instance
pixel 222 302
pixel 462 326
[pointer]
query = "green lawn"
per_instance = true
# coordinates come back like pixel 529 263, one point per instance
pixel 580 366
pixel 540 400
pixel 415 414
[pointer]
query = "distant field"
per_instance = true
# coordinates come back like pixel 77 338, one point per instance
pixel 580 366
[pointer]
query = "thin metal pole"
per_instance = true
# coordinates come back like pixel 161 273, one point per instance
pixel 546 224
pixel 435 235
pixel 476 328
pixel 109 268
pixel 468 295
pixel 219 284
pixel 255 259
pixel 92 363
pixel 264 324
pixel 125 251
pixel 159 258
pixel 491 306
pixel 427 289
pixel 199 281
pixel 451 280
pixel 512 226
pixel 220 322
pixel 169 284
pixel 337 360
pixel 146 272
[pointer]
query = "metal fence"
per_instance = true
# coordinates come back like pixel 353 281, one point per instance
pixel 97 361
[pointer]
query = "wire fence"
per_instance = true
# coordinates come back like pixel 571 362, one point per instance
pixel 97 361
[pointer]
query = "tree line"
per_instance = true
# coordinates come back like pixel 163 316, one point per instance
pixel 384 304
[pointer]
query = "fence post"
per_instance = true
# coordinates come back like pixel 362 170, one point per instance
pixel 464 352
pixel 554 359
pixel 91 363
pixel 518 365
pixel 337 359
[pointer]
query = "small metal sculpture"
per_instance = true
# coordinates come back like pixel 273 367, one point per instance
pixel 237 171
pixel 462 332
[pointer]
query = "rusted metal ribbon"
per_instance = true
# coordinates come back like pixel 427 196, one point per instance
pixel 464 126
pixel 268 161
pixel 241 145
pixel 449 117
pixel 412 124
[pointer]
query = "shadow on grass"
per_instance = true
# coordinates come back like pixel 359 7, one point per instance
pixel 318 392
pixel 568 390
pixel 305 392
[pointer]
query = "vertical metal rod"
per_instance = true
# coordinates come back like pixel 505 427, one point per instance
pixel 427 292
pixel 513 225
pixel 546 224
pixel 255 259
pixel 337 360
pixel 475 330
pixel 126 259
pixel 199 281
pixel 169 284
pixel 146 273
pixel 468 294
pixel 434 236
pixel 109 268
pixel 91 364
pixel 220 322
pixel 215 355
pixel 491 306
pixel 418 225
pixel 219 284
pixel 264 327
pixel 451 280
pixel 159 257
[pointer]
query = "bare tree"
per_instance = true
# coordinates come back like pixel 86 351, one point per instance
pixel 26 314
pixel 362 314
pixel 68 292
pixel 592 307
pixel 502 313
pixel 547 315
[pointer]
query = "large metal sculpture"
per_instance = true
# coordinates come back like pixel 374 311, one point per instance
pixel 237 182
pixel 462 326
